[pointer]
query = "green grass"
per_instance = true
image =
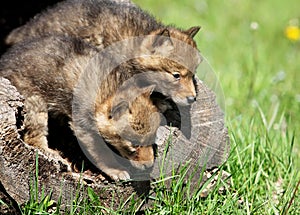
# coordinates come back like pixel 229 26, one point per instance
pixel 258 72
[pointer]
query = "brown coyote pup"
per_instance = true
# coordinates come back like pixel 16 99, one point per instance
pixel 47 71
pixel 104 22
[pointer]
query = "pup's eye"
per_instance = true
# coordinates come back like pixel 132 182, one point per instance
pixel 176 75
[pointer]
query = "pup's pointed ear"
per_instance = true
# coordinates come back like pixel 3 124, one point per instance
pixel 162 44
pixel 158 42
pixel 192 31
pixel 118 110
pixel 162 38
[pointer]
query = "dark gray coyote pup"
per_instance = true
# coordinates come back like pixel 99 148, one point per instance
pixel 105 22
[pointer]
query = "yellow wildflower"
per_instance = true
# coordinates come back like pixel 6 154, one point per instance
pixel 292 33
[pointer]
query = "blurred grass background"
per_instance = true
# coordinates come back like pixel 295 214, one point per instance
pixel 258 69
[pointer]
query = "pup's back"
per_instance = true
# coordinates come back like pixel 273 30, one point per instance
pixel 112 20
pixel 47 67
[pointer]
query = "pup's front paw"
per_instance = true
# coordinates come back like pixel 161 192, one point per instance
pixel 118 174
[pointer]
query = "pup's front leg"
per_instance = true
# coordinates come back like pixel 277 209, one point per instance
pixel 36 122
pixel 36 127
pixel 103 158
pixel 97 151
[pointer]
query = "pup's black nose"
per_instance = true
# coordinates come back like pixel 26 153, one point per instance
pixel 191 99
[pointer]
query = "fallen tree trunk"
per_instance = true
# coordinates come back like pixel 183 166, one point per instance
pixel 202 141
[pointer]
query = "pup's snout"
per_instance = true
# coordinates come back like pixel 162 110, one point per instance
pixel 142 165
pixel 191 99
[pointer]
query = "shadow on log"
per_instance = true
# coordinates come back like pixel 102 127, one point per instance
pixel 207 147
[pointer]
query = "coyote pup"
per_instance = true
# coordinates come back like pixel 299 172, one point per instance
pixel 104 22
pixel 132 116
pixel 46 72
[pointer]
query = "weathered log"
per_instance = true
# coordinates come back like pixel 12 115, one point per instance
pixel 206 147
